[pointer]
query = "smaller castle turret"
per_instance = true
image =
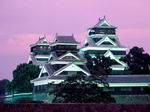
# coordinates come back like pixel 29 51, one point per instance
pixel 39 52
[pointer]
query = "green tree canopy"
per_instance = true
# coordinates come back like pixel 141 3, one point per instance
pixel 80 89
pixel 22 76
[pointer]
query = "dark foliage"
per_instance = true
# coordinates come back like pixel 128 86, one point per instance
pixel 99 65
pixel 3 86
pixel 80 89
pixel 22 76
pixel 138 61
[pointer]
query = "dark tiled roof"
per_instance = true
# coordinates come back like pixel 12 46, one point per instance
pixel 50 69
pixel 128 79
pixel 65 39
pixel 58 66
pixel 54 54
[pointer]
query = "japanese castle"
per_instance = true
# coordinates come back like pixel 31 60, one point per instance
pixel 63 57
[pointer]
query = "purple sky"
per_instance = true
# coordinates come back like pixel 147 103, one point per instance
pixel 23 21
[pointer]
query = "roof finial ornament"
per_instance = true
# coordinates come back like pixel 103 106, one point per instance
pixel 99 18
pixel 104 17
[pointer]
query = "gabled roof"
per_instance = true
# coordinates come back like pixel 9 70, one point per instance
pixel 71 67
pixel 54 74
pixel 50 69
pixel 112 56
pixel 69 54
pixel 106 39
pixel 92 46
pixel 103 23
pixel 43 70
pixel 42 41
pixel 77 56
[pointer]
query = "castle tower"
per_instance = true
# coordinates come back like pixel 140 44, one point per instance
pixel 103 41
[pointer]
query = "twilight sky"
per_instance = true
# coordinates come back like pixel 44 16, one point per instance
pixel 23 21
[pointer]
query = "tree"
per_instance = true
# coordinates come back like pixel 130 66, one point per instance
pixel 80 89
pixel 3 86
pixel 22 76
pixel 99 66
pixel 138 61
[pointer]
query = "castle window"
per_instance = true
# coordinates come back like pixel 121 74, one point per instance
pixel 86 44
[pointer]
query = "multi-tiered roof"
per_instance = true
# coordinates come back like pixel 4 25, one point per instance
pixel 102 40
pixel 64 61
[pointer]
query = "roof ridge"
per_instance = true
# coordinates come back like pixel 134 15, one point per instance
pixel 61 69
